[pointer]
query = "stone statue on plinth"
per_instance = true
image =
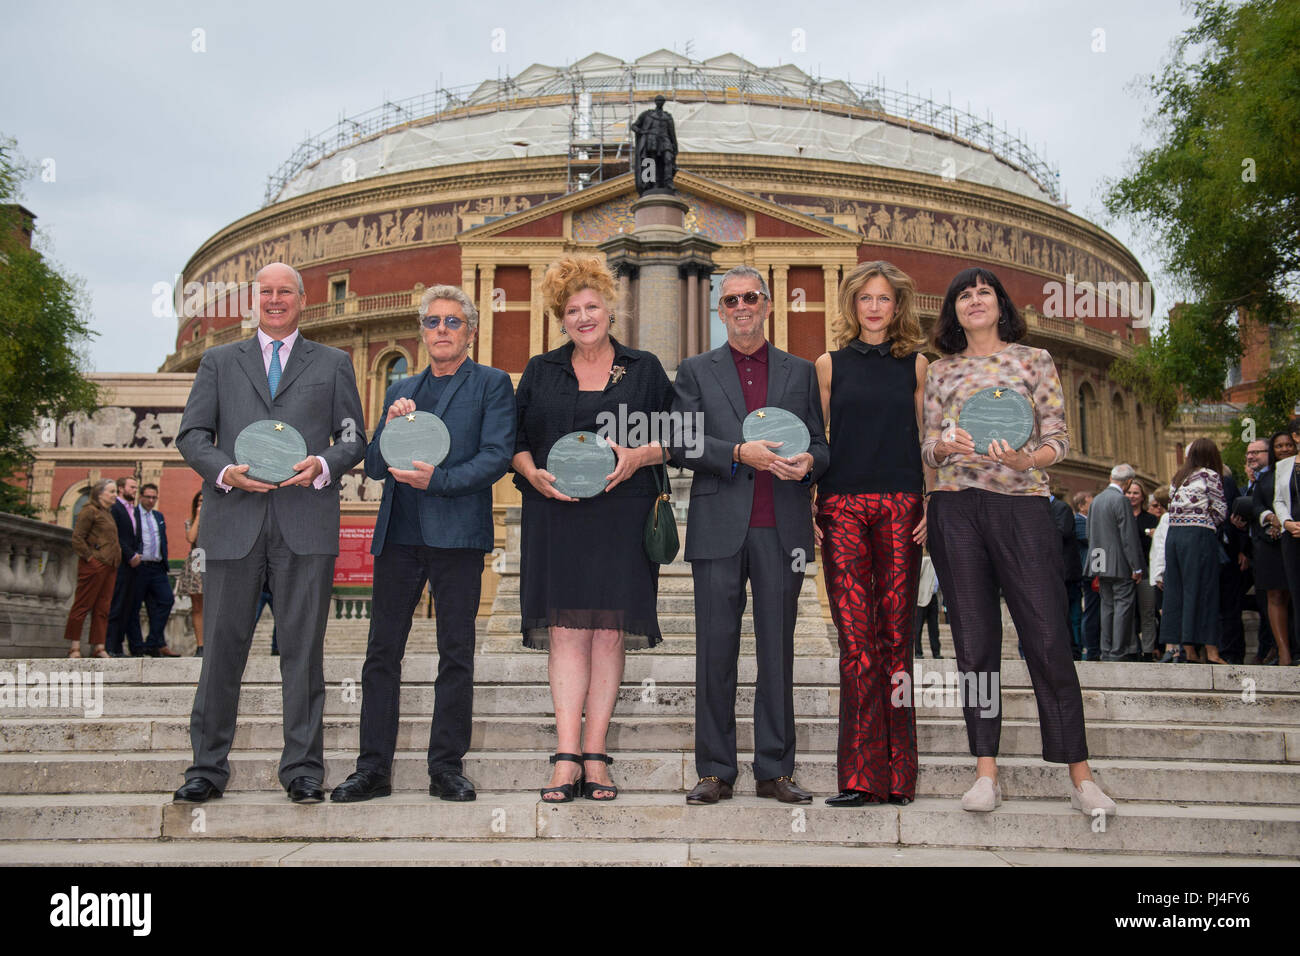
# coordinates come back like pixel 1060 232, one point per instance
pixel 656 150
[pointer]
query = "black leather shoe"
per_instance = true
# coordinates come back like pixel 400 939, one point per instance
pixel 362 785
pixel 197 790
pixel 709 790
pixel 899 799
pixel 305 790
pixel 847 798
pixel 450 785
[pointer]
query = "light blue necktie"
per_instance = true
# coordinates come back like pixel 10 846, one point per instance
pixel 273 374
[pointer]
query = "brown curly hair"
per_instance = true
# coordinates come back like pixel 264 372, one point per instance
pixel 566 277
pixel 904 329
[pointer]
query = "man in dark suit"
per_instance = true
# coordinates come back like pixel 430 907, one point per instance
pixel 1064 518
pixel 253 531
pixel 434 525
pixel 124 611
pixel 153 588
pixel 1232 580
pixel 750 520
pixel 1117 555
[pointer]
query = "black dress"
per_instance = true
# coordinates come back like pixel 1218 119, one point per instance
pixel 582 564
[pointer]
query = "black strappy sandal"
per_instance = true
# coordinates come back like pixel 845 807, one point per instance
pixel 567 791
pixel 590 787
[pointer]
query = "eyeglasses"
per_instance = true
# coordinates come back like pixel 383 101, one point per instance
pixel 749 298
pixel 452 322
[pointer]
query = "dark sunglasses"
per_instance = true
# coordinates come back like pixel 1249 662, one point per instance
pixel 453 322
pixel 749 298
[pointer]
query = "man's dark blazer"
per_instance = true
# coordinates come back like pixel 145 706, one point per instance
pixel 721 501
pixel 1064 519
pixel 128 535
pixel 317 395
pixel 478 408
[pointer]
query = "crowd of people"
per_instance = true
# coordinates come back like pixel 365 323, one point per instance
pixel 1165 574
pixel 899 473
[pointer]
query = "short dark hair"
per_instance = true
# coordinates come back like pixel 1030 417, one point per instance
pixel 950 337
pixel 1294 425
pixel 144 488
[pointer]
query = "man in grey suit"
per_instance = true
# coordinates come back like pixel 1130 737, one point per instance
pixel 1116 554
pixel 253 532
pixel 750 519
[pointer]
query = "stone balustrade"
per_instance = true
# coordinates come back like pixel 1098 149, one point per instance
pixel 38 575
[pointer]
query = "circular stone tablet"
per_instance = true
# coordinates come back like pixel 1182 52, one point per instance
pixel 997 413
pixel 270 449
pixel 580 461
pixel 417 436
pixel 777 424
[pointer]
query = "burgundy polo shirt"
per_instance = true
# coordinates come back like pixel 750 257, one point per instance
pixel 753 385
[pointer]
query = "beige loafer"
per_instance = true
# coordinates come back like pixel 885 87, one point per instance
pixel 1089 799
pixel 984 797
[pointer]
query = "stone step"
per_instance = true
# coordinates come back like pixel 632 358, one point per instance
pixel 443 852
pixel 944 776
pixel 1193 706
pixel 1141 828
pixel 935 735
pixel 520 666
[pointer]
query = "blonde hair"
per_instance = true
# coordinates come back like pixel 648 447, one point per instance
pixel 904 328
pixel 566 277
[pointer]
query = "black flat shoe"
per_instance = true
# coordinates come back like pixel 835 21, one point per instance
pixel 197 790
pixel 362 785
pixel 848 798
pixel 305 790
pixel 899 799
pixel 565 790
pixel 450 785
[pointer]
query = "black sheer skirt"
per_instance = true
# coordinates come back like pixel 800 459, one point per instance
pixel 583 565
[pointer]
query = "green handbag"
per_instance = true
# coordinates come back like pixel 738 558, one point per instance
pixel 660 526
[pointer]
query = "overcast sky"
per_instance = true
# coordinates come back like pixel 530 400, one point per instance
pixel 155 146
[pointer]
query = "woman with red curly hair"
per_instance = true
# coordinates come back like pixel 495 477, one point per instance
pixel 587 590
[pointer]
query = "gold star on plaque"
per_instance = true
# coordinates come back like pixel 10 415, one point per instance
pixel 411 417
pixel 762 414
pixel 279 426
pixel 997 393
pixel 582 438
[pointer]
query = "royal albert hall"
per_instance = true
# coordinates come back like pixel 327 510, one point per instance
pixel 484 186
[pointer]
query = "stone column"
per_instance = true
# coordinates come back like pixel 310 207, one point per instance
pixel 692 313
pixel 536 311
pixel 781 307
pixel 487 277
pixel 830 295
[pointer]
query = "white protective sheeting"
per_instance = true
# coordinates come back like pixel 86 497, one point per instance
pixel 701 128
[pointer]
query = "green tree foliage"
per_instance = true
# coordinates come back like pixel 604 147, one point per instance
pixel 43 323
pixel 1221 191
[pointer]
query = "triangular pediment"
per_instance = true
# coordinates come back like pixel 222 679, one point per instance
pixel 718 208
pixel 661 59
pixel 598 61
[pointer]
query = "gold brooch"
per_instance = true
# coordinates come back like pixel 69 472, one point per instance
pixel 616 373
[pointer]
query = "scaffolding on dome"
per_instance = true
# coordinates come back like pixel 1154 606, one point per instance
pixel 600 94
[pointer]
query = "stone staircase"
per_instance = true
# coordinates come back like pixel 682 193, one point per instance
pixel 1204 762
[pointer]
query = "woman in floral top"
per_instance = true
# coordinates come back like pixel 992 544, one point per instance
pixel 991 529
pixel 1191 585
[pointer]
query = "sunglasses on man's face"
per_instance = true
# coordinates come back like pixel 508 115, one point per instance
pixel 749 298
pixel 453 322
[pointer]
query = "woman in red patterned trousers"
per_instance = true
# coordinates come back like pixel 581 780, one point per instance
pixel 871 523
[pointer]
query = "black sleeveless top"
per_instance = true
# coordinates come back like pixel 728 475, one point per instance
pixel 875 444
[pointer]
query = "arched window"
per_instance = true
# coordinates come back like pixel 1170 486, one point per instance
pixel 397 370
pixel 80 503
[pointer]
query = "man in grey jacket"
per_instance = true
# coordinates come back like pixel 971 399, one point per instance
pixel 254 532
pixel 1116 555
pixel 750 519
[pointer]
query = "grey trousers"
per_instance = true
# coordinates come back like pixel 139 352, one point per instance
pixel 301 584
pixel 719 606
pixel 1146 615
pixel 1118 607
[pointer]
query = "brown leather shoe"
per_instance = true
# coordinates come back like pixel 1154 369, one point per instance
pixel 709 790
pixel 784 789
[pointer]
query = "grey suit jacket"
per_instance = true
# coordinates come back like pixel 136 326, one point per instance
pixel 318 396
pixel 721 501
pixel 1113 529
